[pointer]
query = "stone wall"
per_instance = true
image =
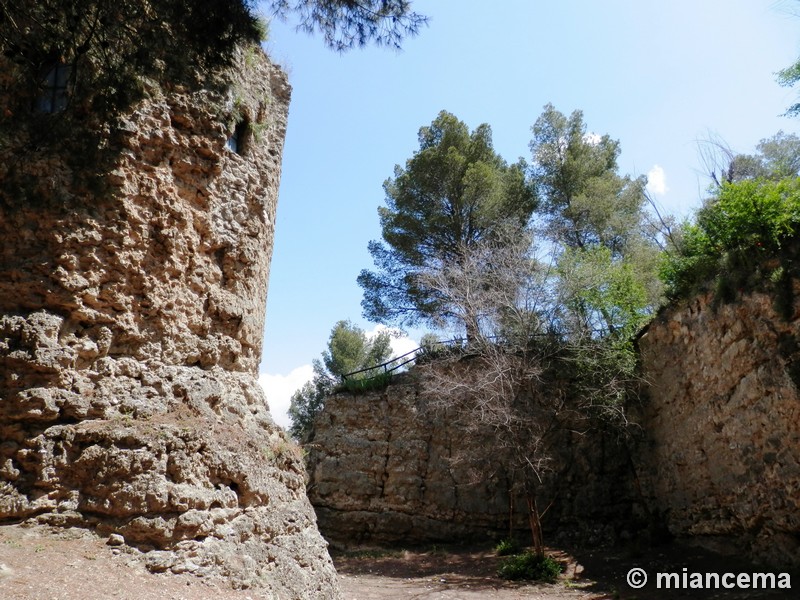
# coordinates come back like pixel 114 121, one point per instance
pixel 132 299
pixel 385 469
pixel 723 460
pixel 714 456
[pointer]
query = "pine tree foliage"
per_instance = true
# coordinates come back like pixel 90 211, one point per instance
pixel 454 193
pixel 345 24
pixel 595 221
pixel 349 349
pixel 788 77
pixel 553 302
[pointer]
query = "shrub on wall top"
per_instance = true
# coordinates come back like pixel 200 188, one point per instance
pixel 737 239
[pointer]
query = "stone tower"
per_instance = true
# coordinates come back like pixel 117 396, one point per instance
pixel 134 261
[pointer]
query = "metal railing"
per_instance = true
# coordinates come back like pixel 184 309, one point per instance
pixel 389 366
pixel 385 365
pixel 392 365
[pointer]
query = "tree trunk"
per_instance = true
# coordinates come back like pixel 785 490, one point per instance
pixel 536 525
pixel 510 513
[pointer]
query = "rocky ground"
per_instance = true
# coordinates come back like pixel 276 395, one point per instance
pixel 38 563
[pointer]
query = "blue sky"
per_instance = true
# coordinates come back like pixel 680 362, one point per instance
pixel 657 76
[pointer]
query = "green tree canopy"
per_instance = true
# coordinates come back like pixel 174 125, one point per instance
pixel 788 77
pixel 584 200
pixel 606 276
pixel 551 298
pixel 778 157
pixel 349 349
pixel 345 24
pixel 455 192
pixel 736 237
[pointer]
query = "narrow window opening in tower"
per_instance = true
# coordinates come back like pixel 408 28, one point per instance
pixel 236 142
pixel 55 93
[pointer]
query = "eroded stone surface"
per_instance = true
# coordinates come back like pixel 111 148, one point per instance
pixel 723 462
pixel 131 320
pixel 716 458
pixel 385 469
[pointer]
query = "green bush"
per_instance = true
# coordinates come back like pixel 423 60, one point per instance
pixel 735 238
pixel 365 384
pixel 755 214
pixel 506 547
pixel 530 566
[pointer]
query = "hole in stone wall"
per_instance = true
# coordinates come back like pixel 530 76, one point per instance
pixel 237 141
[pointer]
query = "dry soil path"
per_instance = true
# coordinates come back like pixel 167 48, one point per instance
pixel 37 563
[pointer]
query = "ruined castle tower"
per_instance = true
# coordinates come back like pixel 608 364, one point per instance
pixel 134 258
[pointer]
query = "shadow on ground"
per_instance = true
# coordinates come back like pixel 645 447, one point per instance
pixel 590 574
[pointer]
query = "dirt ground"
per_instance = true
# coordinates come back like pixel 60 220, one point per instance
pixel 37 563
pixel 450 574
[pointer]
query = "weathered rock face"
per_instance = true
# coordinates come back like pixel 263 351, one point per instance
pixel 131 315
pixel 385 469
pixel 717 457
pixel 723 463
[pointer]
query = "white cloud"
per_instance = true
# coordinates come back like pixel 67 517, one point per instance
pixel 279 390
pixel 657 181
